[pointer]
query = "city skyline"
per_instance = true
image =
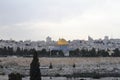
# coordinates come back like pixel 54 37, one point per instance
pixel 56 39
pixel 70 19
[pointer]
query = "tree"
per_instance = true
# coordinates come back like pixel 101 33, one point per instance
pixel 43 52
pixel 75 53
pixel 102 53
pixel 35 73
pixel 15 76
pixel 84 53
pixel 18 51
pixel 61 54
pixel 10 51
pixel 74 65
pixel 116 53
pixel 51 66
pixel 92 52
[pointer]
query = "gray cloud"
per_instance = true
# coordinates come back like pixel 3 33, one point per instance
pixel 28 19
pixel 14 11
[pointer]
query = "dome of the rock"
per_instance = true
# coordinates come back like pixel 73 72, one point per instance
pixel 62 42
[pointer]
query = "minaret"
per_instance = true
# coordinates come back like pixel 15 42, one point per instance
pixel 48 39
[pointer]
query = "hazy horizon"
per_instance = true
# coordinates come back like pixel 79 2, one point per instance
pixel 69 19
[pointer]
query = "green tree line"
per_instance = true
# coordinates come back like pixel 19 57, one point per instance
pixel 7 51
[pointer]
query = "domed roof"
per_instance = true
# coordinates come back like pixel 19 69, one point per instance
pixel 62 42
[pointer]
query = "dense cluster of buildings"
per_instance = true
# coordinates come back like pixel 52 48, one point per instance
pixel 62 44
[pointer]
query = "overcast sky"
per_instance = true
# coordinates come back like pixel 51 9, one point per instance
pixel 69 19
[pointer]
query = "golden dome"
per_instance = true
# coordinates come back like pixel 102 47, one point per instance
pixel 62 42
